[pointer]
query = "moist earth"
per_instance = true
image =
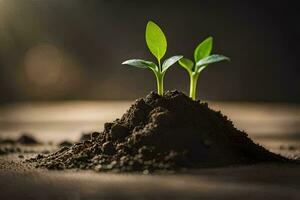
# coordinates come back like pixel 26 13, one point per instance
pixel 169 132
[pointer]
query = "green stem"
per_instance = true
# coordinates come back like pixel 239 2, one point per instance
pixel 160 79
pixel 193 85
pixel 160 83
pixel 159 65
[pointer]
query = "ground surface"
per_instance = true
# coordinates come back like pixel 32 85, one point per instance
pixel 277 127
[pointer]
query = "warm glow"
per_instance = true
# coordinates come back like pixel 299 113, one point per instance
pixel 43 64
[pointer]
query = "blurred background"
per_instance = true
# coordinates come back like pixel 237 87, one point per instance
pixel 72 49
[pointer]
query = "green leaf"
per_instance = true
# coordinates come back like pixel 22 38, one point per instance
pixel 199 69
pixel 140 63
pixel 169 62
pixel 209 60
pixel 187 64
pixel 156 40
pixel 203 49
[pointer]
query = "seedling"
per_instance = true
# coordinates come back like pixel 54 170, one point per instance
pixel 202 59
pixel 157 44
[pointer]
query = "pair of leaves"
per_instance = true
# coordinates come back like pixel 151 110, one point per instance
pixel 201 64
pixel 157 44
pixel 202 57
pixel 148 64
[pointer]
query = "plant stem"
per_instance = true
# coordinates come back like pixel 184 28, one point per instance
pixel 160 79
pixel 159 65
pixel 160 83
pixel 193 85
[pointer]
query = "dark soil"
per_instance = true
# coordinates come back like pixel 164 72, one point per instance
pixel 10 146
pixel 27 140
pixel 24 139
pixel 9 149
pixel 162 133
pixel 65 143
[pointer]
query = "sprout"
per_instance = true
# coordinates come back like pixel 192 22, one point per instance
pixel 157 44
pixel 202 58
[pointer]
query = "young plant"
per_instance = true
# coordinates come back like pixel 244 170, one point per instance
pixel 202 58
pixel 157 44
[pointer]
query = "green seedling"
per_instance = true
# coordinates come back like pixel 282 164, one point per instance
pixel 202 59
pixel 157 44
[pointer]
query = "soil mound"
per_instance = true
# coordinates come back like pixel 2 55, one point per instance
pixel 162 133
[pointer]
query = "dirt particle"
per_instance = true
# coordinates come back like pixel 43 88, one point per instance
pixel 118 132
pixel 24 139
pixel 65 143
pixel 7 141
pixel 27 139
pixel 108 148
pixel 20 156
pixel 85 136
pixel 95 136
pixel 2 151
